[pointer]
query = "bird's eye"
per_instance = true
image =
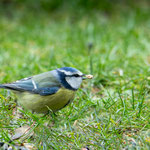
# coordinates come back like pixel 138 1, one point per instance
pixel 76 75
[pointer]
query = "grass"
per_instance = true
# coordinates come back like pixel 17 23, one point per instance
pixel 109 112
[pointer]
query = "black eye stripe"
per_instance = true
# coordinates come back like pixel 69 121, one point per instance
pixel 74 75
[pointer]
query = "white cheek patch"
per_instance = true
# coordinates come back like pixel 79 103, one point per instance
pixel 74 82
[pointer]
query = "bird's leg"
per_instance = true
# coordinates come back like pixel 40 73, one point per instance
pixel 49 122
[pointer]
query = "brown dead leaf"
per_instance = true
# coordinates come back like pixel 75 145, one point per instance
pixel 29 146
pixel 75 123
pixel 95 90
pixel 17 113
pixel 22 132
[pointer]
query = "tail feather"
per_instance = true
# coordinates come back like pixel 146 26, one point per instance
pixel 2 86
pixel 11 87
pixel 6 86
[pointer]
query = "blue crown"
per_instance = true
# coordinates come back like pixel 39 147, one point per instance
pixel 69 69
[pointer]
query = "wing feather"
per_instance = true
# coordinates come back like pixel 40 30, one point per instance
pixel 43 84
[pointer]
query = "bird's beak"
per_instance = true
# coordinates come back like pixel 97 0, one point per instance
pixel 89 76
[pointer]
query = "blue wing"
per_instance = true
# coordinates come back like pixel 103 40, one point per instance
pixel 43 84
pixel 46 91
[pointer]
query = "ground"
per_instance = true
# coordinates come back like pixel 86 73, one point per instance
pixel 109 112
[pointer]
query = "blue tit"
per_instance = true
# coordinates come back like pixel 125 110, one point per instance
pixel 51 90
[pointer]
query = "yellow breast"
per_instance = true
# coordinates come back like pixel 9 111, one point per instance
pixel 41 104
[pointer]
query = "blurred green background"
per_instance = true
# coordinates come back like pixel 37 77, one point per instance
pixel 107 38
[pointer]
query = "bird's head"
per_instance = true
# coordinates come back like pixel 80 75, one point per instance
pixel 71 78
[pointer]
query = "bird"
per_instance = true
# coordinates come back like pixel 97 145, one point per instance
pixel 52 90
